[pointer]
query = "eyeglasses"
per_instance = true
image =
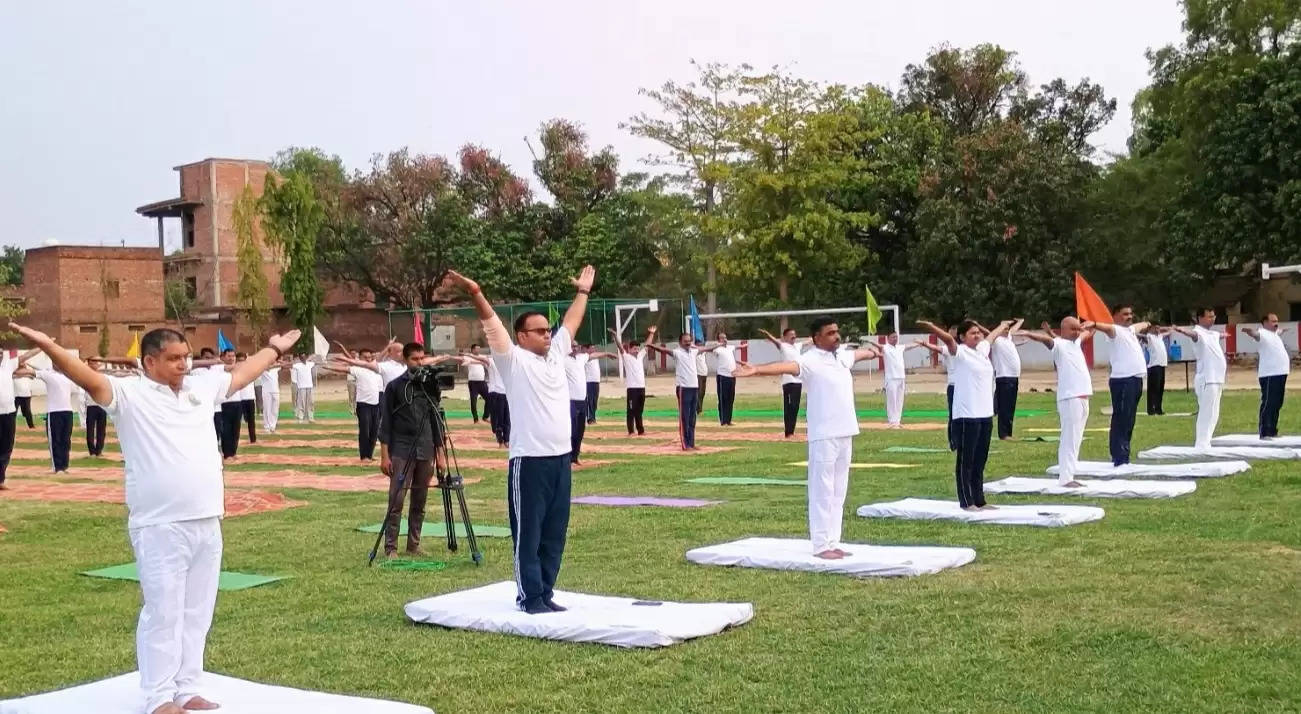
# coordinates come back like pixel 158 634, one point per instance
pixel 539 331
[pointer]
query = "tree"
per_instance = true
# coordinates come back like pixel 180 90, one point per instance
pixel 11 265
pixel 965 89
pixel 178 303
pixel 293 217
pixel 251 296
pixel 9 309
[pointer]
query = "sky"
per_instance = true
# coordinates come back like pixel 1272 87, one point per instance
pixel 100 100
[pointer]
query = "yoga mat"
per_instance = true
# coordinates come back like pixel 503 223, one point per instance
pixel 643 501
pixel 1047 430
pixel 747 481
pixel 228 580
pixel 413 565
pixel 436 528
pixel 914 450
pixel 864 465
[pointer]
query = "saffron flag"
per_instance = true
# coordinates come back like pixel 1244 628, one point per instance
pixel 697 329
pixel 134 350
pixel 1087 303
pixel 873 311
pixel 223 344
pixel 417 329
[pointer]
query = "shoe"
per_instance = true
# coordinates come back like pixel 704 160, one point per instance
pixel 416 553
pixel 538 609
pixel 551 604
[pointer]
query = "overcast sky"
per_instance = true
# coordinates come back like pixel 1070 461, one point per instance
pixel 99 100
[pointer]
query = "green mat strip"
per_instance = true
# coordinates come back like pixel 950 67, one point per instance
pixel 413 565
pixel 747 481
pixel 436 528
pixel 228 580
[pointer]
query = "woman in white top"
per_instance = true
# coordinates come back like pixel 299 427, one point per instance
pixel 973 406
pixel 1272 367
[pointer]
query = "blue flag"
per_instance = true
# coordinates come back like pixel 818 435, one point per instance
pixel 697 329
pixel 223 344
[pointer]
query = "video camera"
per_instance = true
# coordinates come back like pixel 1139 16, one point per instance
pixel 435 378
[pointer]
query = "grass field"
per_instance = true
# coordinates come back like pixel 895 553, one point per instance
pixel 1184 605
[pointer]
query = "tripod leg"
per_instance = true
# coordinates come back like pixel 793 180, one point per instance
pixel 448 520
pixel 465 518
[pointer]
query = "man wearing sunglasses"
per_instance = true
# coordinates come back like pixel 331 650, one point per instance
pixel 538 482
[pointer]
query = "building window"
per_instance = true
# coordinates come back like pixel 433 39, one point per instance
pixel 191 287
pixel 135 328
pixel 190 329
pixel 112 288
pixel 187 229
pixel 88 329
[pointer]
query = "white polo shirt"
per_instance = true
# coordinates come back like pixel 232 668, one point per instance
pixel 1156 351
pixel 390 370
pixel 593 368
pixel 575 366
pixel 702 367
pixel 304 375
pixel 1126 354
pixel 475 372
pixel 1210 356
pixel 726 356
pixel 790 353
pixel 1073 379
pixel 894 365
pixel 684 367
pixel 173 468
pixel 1006 359
pixel 269 379
pixel 946 361
pixel 634 369
pixel 7 366
pixel 539 397
pixel 495 383
pixel 58 391
pixel 23 386
pixel 369 384
pixel 830 386
pixel 1273 358
pixel 973 382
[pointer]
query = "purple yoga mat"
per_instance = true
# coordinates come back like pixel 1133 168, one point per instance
pixel 643 501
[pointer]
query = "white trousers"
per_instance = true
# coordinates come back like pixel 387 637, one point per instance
pixel 894 400
pixel 828 481
pixel 270 407
pixel 305 404
pixel 179 564
pixel 1208 413
pixel 1073 414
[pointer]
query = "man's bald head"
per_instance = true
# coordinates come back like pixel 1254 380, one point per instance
pixel 1071 328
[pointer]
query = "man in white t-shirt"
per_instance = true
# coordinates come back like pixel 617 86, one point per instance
pixel 832 425
pixel 575 372
pixel 370 384
pixel 1272 367
pixel 702 378
pixel 539 478
pixel 592 371
pixel 8 407
pixel 632 360
pixel 1158 358
pixel 23 399
pixel 1208 382
pixel 268 384
pixel 248 403
pixel 789 348
pixel 232 409
pixel 1074 387
pixel 476 382
pixel 686 384
pixel 725 360
pixel 1007 379
pixel 1126 382
pixel 893 354
pixel 303 376
pixel 174 499
pixel 58 415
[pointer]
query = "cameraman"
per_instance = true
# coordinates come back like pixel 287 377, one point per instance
pixel 409 452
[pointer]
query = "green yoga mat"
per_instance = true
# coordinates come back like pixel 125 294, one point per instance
pixel 747 481
pixel 435 528
pixel 227 581
pixel 413 565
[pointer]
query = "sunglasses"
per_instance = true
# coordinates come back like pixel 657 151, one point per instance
pixel 539 331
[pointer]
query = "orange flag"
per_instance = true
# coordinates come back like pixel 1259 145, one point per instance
pixel 1087 303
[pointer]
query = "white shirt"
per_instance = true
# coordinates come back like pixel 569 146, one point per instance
pixel 369 384
pixel 1126 354
pixel 495 383
pixel 702 368
pixel 894 354
pixel 946 361
pixel 684 366
pixel 173 468
pixel 390 370
pixel 248 392
pixel 1156 351
pixel 790 353
pixel 574 368
pixel 726 356
pixel 593 368
pixel 1072 370
pixel 234 396
pixel 269 379
pixel 634 369
pixel 474 372
pixel 1007 361
pixel 58 391
pixel 1273 357
pixel 218 368
pixel 830 410
pixel 7 366
pixel 539 397
pixel 23 387
pixel 303 375
pixel 973 382
pixel 1210 356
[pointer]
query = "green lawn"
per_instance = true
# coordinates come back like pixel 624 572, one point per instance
pixel 1192 604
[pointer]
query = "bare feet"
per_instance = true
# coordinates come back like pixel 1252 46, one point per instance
pixel 1072 484
pixel 988 507
pixel 3 487
pixel 168 708
pixel 970 508
pixel 843 553
pixel 198 703
pixel 829 555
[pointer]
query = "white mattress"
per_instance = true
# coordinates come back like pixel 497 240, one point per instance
pixel 1008 515
pixel 1219 452
pixel 1205 469
pixel 1285 442
pixel 864 561
pixel 121 695
pixel 618 621
pixel 1093 489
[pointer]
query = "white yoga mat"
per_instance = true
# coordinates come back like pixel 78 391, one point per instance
pixel 1204 469
pixel 121 695
pixel 619 621
pixel 1220 452
pixel 864 560
pixel 1281 442
pixel 1095 489
pixel 930 509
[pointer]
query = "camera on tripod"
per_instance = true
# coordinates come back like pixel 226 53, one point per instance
pixel 435 378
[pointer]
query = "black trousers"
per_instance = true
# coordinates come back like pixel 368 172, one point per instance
pixel 701 383
pixel 953 441
pixel 96 423
pixel 24 405
pixel 499 408
pixel 972 453
pixel 231 412
pixel 537 491
pixel 636 405
pixel 687 398
pixel 1005 389
pixel 1125 393
pixel 248 411
pixel 577 426
pixel 8 424
pixel 726 398
pixel 416 477
pixel 1155 390
pixel 478 390
pixel 58 429
pixel 593 396
pixel 218 425
pixel 790 406
pixel 1271 402
pixel 367 429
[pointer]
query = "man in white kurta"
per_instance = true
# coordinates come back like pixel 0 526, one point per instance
pixel 1209 380
pixel 893 354
pixel 174 499
pixel 1074 387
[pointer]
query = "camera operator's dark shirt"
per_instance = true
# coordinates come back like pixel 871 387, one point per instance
pixel 405 407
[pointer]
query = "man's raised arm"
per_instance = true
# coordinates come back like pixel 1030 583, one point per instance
pixel 94 383
pixel 578 308
pixel 250 369
pixel 495 332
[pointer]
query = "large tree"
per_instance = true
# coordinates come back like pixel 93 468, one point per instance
pixel 251 296
pixel 293 218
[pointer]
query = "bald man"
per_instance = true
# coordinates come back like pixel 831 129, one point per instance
pixel 1074 387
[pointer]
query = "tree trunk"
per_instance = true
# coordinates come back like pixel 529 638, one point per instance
pixel 711 275
pixel 783 293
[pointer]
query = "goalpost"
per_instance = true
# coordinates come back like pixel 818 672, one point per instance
pixel 620 322
pixel 893 309
pixel 1266 272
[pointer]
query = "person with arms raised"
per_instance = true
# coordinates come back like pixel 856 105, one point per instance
pixel 1074 387
pixel 1126 382
pixel 1272 367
